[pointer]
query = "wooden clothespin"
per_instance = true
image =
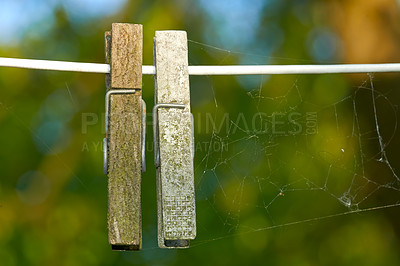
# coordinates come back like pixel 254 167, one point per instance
pixel 173 141
pixel 125 132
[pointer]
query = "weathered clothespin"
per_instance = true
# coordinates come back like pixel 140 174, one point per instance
pixel 123 145
pixel 173 141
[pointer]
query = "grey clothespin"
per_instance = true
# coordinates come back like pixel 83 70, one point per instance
pixel 173 141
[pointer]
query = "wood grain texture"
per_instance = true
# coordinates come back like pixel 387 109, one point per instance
pixel 126 65
pixel 175 177
pixel 107 52
pixel 124 149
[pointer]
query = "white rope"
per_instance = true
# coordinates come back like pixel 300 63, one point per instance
pixel 207 70
pixel 54 65
pixel 292 69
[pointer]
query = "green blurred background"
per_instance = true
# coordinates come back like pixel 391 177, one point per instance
pixel 284 164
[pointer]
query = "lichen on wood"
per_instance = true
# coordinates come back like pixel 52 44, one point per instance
pixel 175 178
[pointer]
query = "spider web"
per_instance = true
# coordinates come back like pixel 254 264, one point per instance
pixel 282 150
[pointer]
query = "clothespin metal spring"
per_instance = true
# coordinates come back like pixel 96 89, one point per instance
pixel 155 128
pixel 105 140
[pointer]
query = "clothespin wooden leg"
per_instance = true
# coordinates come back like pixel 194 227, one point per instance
pixel 173 139
pixel 123 143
